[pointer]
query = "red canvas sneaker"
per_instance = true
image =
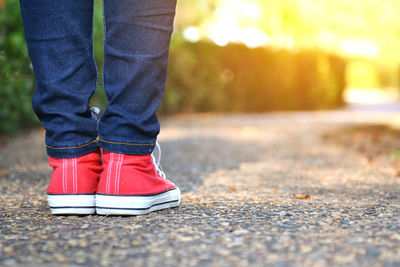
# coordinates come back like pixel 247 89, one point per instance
pixel 73 184
pixel 134 185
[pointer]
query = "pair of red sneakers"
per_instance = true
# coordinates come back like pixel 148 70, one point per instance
pixel 110 183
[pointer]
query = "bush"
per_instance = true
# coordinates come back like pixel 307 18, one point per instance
pixel 206 77
pixel 16 75
pixel 17 80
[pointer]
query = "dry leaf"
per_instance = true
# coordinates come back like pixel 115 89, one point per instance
pixel 301 196
pixel 4 173
pixel 232 188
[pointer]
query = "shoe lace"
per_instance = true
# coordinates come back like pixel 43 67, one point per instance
pixel 95 111
pixel 157 162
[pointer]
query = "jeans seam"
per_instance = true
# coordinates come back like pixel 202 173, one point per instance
pixel 124 143
pixel 69 147
pixel 92 53
pixel 104 45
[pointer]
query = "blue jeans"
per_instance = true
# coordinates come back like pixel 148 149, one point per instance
pixel 59 35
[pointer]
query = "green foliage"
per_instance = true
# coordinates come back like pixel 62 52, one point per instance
pixel 206 77
pixel 99 99
pixel 394 155
pixel 16 75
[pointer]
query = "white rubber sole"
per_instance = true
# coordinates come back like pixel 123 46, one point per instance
pixel 136 205
pixel 72 204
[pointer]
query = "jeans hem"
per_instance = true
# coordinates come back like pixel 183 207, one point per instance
pixel 130 148
pixel 72 151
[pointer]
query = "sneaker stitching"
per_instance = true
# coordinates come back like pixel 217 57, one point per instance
pixel 66 176
pixel 108 173
pixel 119 173
pixel 107 176
pixel 76 176
pixel 73 175
pixel 109 170
pixel 116 174
pixel 63 176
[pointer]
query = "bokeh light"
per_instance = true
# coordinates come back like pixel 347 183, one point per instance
pixel 365 32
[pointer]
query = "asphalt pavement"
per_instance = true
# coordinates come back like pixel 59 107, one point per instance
pixel 257 190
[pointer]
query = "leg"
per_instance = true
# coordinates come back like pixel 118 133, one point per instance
pixel 59 38
pixel 136 51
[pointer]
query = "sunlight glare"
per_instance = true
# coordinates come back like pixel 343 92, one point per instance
pixel 370 96
pixel 250 10
pixel 253 38
pixel 191 34
pixel 361 48
pixel 236 21
pixel 359 28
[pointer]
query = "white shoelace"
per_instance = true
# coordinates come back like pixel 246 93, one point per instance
pixel 95 113
pixel 157 162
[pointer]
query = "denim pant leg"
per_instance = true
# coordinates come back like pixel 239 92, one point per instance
pixel 136 48
pixel 59 39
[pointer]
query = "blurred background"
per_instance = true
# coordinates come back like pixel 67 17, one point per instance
pixel 244 56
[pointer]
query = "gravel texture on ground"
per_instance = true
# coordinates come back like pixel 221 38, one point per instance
pixel 257 190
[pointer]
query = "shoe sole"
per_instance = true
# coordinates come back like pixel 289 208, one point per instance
pixel 72 204
pixel 136 205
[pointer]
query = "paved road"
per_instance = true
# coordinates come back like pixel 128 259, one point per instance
pixel 239 175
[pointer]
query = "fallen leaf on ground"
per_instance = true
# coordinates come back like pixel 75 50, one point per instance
pixel 301 196
pixel 232 188
pixel 4 173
